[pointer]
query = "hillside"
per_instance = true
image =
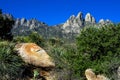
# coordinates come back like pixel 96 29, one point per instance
pixel 96 49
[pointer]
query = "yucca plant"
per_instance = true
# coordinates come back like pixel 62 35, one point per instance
pixel 10 62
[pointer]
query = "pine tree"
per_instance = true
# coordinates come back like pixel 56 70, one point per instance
pixel 5 27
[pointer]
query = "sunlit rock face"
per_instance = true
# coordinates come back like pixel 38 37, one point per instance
pixel 34 54
pixel 73 24
pixel 90 75
pixel 104 22
pixel 31 24
pixel 9 16
pixel 89 18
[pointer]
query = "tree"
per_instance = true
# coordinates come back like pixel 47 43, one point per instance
pixel 100 49
pixel 5 27
pixel 0 11
pixel 98 42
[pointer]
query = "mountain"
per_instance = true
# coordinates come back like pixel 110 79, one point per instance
pixel 67 30
pixel 25 27
pixel 75 23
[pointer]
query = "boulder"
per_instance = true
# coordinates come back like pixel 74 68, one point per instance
pixel 90 75
pixel 36 56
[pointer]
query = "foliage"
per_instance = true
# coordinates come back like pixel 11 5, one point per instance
pixel 33 37
pixel 100 47
pixel 36 38
pixel 64 57
pixel 97 48
pixel 10 62
pixel 55 41
pixel 35 74
pixel 5 27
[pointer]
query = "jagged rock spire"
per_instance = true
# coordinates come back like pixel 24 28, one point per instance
pixel 89 18
pixel 104 22
pixel 73 24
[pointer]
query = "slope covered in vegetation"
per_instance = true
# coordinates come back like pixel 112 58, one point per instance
pixel 96 48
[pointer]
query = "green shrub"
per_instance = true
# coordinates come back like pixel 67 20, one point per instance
pixel 67 65
pixel 33 37
pixel 55 41
pixel 100 47
pixel 97 48
pixel 10 62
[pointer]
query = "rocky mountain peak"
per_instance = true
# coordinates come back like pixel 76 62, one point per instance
pixel 80 15
pixel 72 17
pixel 73 24
pixel 23 21
pixel 23 26
pixel 32 23
pixel 70 20
pixel 70 28
pixel 89 18
pixel 104 22
pixel 9 16
pixel 101 21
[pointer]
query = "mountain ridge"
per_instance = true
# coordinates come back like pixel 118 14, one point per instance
pixel 68 29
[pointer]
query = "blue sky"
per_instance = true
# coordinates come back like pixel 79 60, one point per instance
pixel 58 11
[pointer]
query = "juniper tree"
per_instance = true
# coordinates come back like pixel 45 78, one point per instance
pixel 5 27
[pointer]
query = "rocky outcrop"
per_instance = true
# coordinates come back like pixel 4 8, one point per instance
pixel 89 18
pixel 34 55
pixel 25 27
pixel 32 23
pixel 9 16
pixel 75 23
pixel 90 75
pixel 101 21
pixel 104 22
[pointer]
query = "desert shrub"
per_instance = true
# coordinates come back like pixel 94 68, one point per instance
pixel 21 39
pixel 33 37
pixel 99 48
pixel 55 41
pixel 61 63
pixel 10 62
pixel 66 62
pixel 36 38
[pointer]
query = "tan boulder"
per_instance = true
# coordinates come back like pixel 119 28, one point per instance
pixel 38 57
pixel 35 55
pixel 90 75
